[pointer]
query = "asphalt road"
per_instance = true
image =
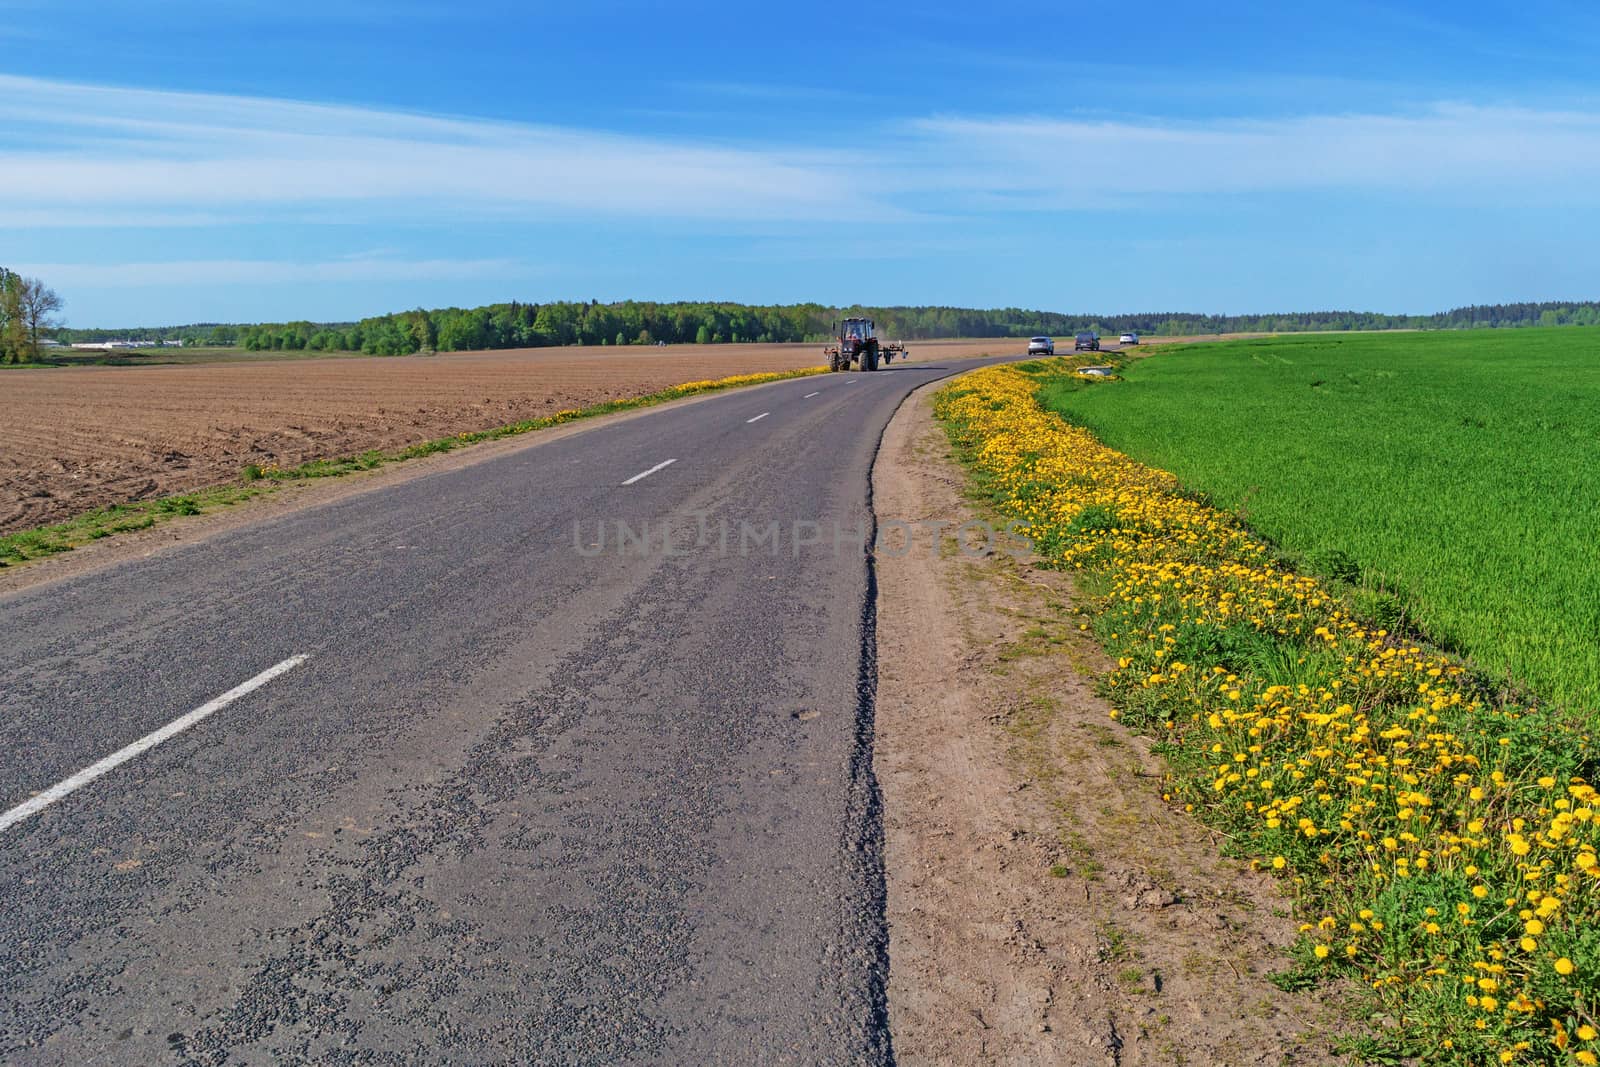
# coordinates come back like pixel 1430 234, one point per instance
pixel 533 795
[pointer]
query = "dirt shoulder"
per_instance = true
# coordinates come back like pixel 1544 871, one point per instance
pixel 1044 903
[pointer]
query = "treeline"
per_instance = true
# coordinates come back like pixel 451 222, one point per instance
pixel 200 333
pixel 1586 313
pixel 518 325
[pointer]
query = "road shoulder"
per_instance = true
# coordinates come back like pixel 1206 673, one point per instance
pixel 1044 904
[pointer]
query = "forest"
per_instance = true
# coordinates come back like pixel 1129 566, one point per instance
pixel 630 322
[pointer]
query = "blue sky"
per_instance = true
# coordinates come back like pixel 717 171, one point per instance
pixel 174 161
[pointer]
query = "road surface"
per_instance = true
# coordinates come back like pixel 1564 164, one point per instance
pixel 460 771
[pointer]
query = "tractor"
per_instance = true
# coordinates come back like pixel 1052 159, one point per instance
pixel 858 343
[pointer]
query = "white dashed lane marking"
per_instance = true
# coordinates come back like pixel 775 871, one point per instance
pixel 642 475
pixel 71 785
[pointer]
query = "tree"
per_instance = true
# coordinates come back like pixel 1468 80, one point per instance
pixel 39 305
pixel 424 334
pixel 27 307
pixel 14 346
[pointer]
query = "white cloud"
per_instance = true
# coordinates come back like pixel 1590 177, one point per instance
pixel 83 155
pixel 1043 164
pixel 79 150
pixel 271 272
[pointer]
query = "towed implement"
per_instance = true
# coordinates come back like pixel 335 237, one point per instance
pixel 858 343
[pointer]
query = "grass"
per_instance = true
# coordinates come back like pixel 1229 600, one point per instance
pixel 256 480
pixel 1441 841
pixel 61 537
pixel 1451 478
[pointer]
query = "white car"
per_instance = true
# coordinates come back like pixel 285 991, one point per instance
pixel 1041 346
pixel 1128 339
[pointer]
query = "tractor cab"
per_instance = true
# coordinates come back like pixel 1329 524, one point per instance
pixel 857 329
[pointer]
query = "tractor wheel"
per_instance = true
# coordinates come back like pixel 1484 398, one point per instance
pixel 869 358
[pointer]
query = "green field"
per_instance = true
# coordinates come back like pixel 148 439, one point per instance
pixel 1454 477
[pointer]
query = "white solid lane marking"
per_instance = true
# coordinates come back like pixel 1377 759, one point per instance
pixel 43 800
pixel 759 417
pixel 645 474
pixel 808 396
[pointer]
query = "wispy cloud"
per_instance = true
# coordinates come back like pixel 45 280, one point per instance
pixel 1050 164
pixel 363 268
pixel 72 149
pixel 85 155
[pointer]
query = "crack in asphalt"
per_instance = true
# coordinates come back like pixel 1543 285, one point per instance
pixel 863 839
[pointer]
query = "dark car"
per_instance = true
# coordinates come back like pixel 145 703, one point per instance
pixel 1086 342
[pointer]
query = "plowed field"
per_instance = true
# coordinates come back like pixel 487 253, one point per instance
pixel 76 438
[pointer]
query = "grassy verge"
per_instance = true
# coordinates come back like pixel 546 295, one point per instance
pixel 25 545
pixel 256 480
pixel 1441 844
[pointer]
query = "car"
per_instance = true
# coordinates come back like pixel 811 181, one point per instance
pixel 1086 341
pixel 1128 339
pixel 1042 346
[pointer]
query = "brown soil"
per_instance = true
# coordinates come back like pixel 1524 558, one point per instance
pixel 1045 905
pixel 284 497
pixel 76 438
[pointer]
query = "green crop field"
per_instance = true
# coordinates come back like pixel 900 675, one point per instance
pixel 1452 477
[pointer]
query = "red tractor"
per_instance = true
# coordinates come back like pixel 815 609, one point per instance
pixel 858 343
